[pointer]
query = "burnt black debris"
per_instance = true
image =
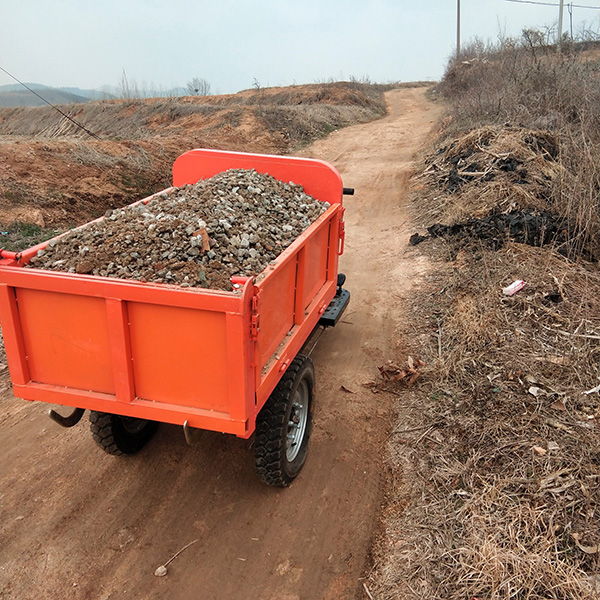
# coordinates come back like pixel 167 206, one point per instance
pixel 535 228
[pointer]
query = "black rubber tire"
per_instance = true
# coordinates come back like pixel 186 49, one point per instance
pixel 119 435
pixel 273 425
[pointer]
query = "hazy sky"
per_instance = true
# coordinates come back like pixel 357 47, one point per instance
pixel 232 43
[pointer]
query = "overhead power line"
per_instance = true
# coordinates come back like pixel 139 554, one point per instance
pixel 552 4
pixel 52 105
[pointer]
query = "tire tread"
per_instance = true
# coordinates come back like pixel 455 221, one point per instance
pixel 110 436
pixel 269 452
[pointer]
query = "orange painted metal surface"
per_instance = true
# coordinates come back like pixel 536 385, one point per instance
pixel 165 353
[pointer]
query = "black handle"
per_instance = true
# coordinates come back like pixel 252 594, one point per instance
pixel 348 191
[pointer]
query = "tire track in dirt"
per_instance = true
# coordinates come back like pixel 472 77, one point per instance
pixel 84 525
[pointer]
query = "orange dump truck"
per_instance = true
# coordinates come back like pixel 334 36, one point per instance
pixel 136 354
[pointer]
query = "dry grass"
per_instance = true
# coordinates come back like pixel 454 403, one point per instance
pixel 300 125
pixel 546 321
pixel 494 463
pixel 143 119
pixel 108 119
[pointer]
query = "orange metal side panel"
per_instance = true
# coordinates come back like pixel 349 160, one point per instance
pixel 318 178
pixel 180 356
pixel 66 340
pixel 13 336
pixel 292 343
pixel 276 309
pixel 315 264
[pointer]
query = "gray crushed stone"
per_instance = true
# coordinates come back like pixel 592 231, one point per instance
pixel 233 224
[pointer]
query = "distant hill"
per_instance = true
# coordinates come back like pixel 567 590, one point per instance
pixel 14 95
pixel 16 87
pixel 90 94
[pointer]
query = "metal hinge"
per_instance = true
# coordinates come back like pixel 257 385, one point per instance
pixel 341 237
pixel 254 319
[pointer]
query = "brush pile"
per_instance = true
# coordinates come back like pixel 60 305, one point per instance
pixel 493 168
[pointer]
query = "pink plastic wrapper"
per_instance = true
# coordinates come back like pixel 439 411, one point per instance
pixel 514 287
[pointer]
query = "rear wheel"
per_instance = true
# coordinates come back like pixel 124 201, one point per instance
pixel 283 425
pixel 120 435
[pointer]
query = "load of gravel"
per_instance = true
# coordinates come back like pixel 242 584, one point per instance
pixel 198 235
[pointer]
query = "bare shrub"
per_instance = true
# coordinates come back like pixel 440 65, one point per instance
pixel 128 88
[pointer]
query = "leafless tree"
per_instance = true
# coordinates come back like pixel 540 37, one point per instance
pixel 128 88
pixel 198 87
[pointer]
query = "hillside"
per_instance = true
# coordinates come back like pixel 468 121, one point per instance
pixel 55 175
pixel 17 95
pixel 26 98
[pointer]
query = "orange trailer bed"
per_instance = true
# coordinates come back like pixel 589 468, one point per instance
pixel 164 353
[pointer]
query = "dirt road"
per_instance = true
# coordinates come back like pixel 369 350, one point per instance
pixel 77 523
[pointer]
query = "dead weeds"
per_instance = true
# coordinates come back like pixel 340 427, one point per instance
pixel 494 463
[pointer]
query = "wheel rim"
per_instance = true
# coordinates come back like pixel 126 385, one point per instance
pixel 132 425
pixel 297 421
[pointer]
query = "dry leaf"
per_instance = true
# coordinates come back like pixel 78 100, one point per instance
pixel 413 378
pixel 400 375
pixel 558 405
pixel 539 450
pixel 408 374
pixel 587 549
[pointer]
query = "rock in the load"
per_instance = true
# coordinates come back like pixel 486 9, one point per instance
pixel 200 235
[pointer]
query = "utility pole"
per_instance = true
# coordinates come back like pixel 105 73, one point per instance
pixel 458 28
pixel 560 22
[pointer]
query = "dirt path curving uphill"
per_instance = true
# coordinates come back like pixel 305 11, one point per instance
pixel 77 523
